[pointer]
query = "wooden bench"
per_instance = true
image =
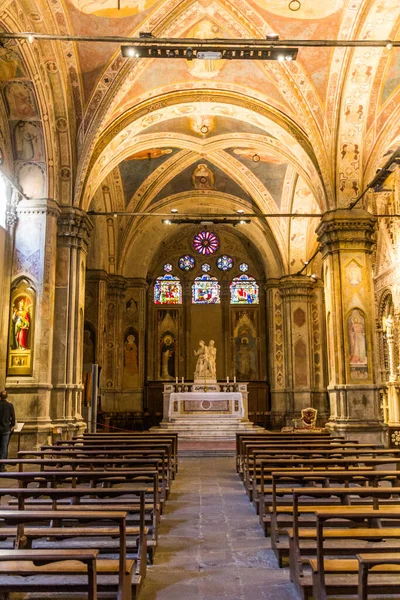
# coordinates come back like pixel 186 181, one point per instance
pixel 139 538
pixel 257 487
pixel 59 563
pixel 368 562
pixel 290 477
pixel 325 572
pixel 133 435
pixel 118 573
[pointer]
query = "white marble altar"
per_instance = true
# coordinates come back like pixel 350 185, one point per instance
pixel 212 411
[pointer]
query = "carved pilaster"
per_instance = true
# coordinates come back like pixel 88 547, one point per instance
pixel 347 239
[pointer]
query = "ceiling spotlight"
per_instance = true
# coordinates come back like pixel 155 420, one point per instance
pixel 115 215
pixel 305 263
pixel 209 55
pixel 313 276
pixel 280 58
pixel 240 211
pixel 166 222
pixel 31 38
pixel 272 37
pixel 189 54
pixel 243 222
pixel 174 210
pixel 255 158
pixel 288 57
pixel 389 46
pixel 130 52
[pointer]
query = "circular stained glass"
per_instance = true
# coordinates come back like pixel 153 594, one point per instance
pixel 244 267
pixel 168 268
pixel 186 263
pixel 224 263
pixel 205 268
pixel 205 243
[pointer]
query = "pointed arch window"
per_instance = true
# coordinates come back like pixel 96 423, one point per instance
pixel 244 290
pixel 167 290
pixel 206 290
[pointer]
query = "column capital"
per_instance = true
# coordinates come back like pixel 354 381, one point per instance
pixel 298 285
pixel 74 227
pixel 345 229
pixel 116 286
pixel 38 206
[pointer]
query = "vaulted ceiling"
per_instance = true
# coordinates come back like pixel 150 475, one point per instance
pixel 142 135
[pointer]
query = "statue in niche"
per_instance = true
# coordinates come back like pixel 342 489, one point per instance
pixel 206 366
pixel 244 359
pixel 21 324
pixel 167 361
pixel 358 349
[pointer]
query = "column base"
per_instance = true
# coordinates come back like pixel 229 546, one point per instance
pixel 367 432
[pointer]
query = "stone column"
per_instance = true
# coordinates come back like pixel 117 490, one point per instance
pixel 33 261
pixel 73 232
pixel 302 335
pixel 346 238
pixel 275 360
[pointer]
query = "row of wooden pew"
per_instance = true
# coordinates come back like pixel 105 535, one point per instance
pixel 332 509
pixel 83 515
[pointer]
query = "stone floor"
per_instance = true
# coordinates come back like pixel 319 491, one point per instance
pixel 211 546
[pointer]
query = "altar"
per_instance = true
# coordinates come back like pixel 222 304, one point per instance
pixel 206 410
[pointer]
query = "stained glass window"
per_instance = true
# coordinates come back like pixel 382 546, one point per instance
pixel 206 267
pixel 205 290
pixel 205 243
pixel 167 290
pixel 244 267
pixel 168 268
pixel 244 290
pixel 224 263
pixel 186 263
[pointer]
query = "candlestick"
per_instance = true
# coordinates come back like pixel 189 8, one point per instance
pixel 227 379
pixel 176 380
pixel 183 380
pixel 234 379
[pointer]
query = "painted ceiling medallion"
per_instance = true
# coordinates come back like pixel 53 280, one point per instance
pixel 205 243
pixel 109 8
pixel 306 10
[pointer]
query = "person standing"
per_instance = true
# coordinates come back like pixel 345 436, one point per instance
pixel 7 424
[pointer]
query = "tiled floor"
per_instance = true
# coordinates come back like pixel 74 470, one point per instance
pixel 211 546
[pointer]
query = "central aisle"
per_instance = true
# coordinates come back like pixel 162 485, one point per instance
pixel 211 546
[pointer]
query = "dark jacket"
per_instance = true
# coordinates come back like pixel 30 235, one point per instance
pixel 7 416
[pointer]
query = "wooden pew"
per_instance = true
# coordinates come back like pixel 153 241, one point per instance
pixel 325 572
pixel 140 537
pixel 109 464
pixel 303 540
pixel 289 478
pixel 121 569
pixel 364 456
pixel 135 435
pixel 367 562
pixel 257 488
pixel 106 444
pixel 43 562
pixel 277 438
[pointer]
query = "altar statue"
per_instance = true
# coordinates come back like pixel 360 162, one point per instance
pixel 212 359
pixel 206 361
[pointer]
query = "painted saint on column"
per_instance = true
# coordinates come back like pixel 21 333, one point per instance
pixel 21 331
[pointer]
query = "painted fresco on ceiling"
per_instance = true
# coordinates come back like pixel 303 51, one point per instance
pixel 216 125
pixel 248 75
pixel 205 69
pixel 392 77
pixel 112 9
pixel 269 170
pixel 297 9
pixel 137 167
pixel 216 179
pixel 10 64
